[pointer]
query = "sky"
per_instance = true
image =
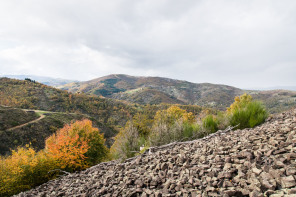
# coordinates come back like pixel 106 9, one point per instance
pixel 241 43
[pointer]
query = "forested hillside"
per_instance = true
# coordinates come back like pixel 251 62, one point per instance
pixel 33 95
pixel 156 90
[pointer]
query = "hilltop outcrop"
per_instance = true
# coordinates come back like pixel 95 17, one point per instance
pixel 249 162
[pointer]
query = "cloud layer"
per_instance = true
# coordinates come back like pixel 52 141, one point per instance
pixel 235 42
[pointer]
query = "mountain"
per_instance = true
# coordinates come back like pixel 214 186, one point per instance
pixel 156 90
pixel 249 162
pixel 45 80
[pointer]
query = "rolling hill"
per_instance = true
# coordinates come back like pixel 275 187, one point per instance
pixel 156 90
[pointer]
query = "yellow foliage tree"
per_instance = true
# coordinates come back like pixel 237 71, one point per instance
pixel 239 103
pixel 173 114
pixel 24 169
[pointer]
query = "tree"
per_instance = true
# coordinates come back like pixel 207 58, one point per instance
pixel 126 142
pixel 77 146
pixel 171 125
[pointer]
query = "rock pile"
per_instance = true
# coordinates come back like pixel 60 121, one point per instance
pixel 249 162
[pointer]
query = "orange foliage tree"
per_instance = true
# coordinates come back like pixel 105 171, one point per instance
pixel 77 146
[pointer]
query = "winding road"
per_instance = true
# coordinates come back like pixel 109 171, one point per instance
pixel 22 125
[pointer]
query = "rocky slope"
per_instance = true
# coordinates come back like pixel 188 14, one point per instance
pixel 249 162
pixel 156 90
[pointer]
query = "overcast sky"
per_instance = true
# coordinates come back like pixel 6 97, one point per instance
pixel 243 43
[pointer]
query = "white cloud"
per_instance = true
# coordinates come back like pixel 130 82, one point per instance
pixel 239 43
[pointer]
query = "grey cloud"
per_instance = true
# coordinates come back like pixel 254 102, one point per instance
pixel 239 43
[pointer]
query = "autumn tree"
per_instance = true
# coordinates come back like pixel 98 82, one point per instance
pixel 172 124
pixel 24 169
pixel 77 146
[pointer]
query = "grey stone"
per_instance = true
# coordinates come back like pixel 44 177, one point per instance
pixel 288 181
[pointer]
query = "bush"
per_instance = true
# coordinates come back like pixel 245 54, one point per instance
pixel 209 123
pixel 191 131
pixel 222 120
pixel 249 116
pixel 240 102
pixel 24 169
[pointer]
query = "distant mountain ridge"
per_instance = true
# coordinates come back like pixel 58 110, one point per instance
pixel 156 90
pixel 45 80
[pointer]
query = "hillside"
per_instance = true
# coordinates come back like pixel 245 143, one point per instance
pixel 108 114
pixel 20 127
pixel 249 162
pixel 29 95
pixel 155 90
pixel 11 117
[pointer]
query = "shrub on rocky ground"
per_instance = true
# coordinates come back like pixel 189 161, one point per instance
pixel 209 123
pixel 246 113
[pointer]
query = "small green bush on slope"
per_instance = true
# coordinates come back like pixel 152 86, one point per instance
pixel 250 116
pixel 210 124
pixel 246 113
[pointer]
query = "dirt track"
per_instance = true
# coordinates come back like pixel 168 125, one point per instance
pixel 22 125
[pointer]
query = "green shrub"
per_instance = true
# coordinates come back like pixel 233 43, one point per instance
pixel 210 124
pixel 249 116
pixel 222 120
pixel 191 131
pixel 163 133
